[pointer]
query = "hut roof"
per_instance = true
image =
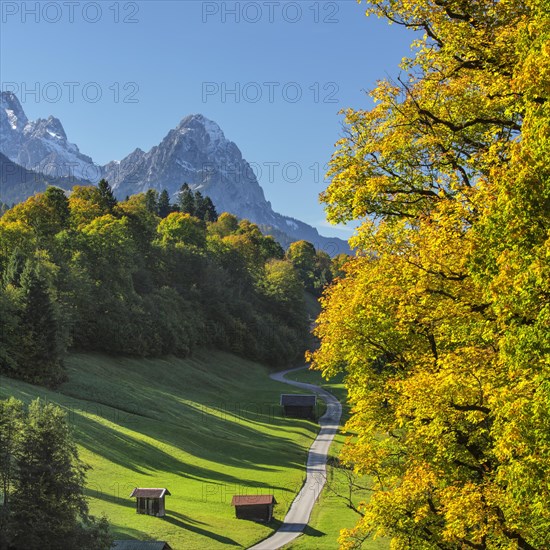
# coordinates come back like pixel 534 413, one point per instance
pixel 298 400
pixel 150 493
pixel 140 545
pixel 252 500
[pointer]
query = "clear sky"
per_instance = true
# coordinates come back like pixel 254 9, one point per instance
pixel 272 74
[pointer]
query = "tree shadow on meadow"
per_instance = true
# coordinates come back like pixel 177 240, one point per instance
pixel 120 532
pixel 211 438
pixel 184 522
pixel 311 532
pixel 137 455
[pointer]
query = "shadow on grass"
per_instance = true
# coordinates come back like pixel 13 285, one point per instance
pixel 274 525
pixel 146 459
pixel 188 524
pixel 126 533
pixel 120 499
pixel 222 410
pixel 311 532
pixel 185 518
pixel 174 518
pixel 228 443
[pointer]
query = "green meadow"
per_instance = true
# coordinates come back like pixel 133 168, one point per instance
pixel 206 428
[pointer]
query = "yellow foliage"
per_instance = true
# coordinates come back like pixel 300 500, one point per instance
pixel 442 321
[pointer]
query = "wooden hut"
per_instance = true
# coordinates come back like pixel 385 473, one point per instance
pixel 254 507
pixel 140 545
pixel 150 501
pixel 298 406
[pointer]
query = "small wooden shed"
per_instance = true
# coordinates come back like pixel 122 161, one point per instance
pixel 298 406
pixel 150 501
pixel 254 507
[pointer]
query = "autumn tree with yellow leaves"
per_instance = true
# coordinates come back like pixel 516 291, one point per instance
pixel 442 320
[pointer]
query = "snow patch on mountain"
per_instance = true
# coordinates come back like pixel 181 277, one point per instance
pixel 12 117
pixel 292 224
pixel 186 165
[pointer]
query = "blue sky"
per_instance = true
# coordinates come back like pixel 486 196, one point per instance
pixel 273 75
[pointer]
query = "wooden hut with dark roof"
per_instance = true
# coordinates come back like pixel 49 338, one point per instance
pixel 254 507
pixel 297 405
pixel 150 501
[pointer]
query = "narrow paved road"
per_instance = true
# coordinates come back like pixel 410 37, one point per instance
pixel 298 516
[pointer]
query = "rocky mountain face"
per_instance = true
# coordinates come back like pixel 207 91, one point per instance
pixel 196 152
pixel 41 145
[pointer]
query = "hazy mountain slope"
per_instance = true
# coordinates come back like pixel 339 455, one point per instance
pixel 18 183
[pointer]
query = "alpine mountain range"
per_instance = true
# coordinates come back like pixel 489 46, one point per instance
pixel 34 154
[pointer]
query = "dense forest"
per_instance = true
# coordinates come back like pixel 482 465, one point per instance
pixel 145 277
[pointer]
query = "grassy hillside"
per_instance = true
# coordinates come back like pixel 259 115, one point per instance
pixel 206 428
pixel 330 513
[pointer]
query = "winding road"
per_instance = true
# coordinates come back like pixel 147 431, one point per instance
pixel 298 515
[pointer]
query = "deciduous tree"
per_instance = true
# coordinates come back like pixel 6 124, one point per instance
pixel 441 321
pixel 183 229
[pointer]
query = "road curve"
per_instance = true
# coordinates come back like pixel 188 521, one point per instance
pixel 298 515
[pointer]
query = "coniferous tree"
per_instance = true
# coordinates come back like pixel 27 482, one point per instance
pixel 164 207
pixel 152 200
pixel 107 197
pixel 14 268
pixel 58 206
pixel 11 412
pixel 186 200
pixel 40 354
pixel 200 206
pixel 210 214
pixel 10 336
pixel 47 508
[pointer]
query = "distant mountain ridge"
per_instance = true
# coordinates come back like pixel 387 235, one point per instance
pixel 196 151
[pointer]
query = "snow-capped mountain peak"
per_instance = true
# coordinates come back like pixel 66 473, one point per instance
pixel 41 145
pixel 212 134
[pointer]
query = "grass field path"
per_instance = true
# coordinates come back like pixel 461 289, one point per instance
pixel 299 513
